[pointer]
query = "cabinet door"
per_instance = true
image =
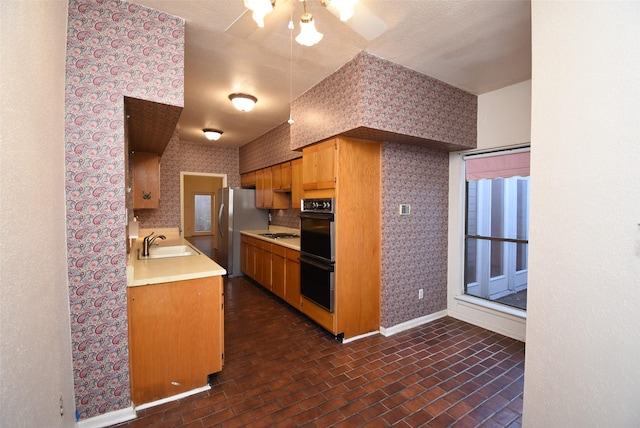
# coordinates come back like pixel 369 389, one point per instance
pixel 278 270
pixel 292 278
pixel 264 191
pixel 276 177
pixel 251 261
pixel 146 180
pixel 248 180
pixel 285 176
pixel 263 264
pixel 175 336
pixel 296 183
pixel 318 166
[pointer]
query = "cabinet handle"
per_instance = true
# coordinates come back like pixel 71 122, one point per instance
pixel 146 195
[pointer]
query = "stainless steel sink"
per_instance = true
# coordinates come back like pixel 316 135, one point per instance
pixel 169 251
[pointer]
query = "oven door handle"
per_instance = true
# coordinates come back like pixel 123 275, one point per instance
pixel 317 216
pixel 328 267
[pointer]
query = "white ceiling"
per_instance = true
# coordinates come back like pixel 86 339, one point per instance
pixel 475 45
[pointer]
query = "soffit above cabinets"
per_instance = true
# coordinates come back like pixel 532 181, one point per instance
pixel 150 124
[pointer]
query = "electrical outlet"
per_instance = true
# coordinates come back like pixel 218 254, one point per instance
pixel 420 293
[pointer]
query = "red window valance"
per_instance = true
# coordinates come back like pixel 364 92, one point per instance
pixel 498 166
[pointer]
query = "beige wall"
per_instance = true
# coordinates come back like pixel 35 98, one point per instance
pixel 504 119
pixel 583 320
pixel 35 347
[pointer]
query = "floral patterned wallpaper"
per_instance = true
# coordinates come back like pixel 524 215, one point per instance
pixel 114 49
pixel 414 247
pixel 186 156
pixel 269 149
pixel 418 119
pixel 375 99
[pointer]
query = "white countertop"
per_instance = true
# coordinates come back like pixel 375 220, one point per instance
pixel 155 271
pixel 292 243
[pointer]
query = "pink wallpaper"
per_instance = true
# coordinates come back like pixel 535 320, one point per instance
pixel 375 99
pixel 188 157
pixel 113 49
pixel 414 247
pixel 269 149
pixel 418 119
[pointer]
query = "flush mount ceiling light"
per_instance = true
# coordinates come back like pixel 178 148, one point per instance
pixel 259 9
pixel 212 134
pixel 243 102
pixel 308 36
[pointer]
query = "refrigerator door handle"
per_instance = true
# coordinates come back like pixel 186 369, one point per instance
pixel 220 219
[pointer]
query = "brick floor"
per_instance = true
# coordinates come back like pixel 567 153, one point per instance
pixel 282 370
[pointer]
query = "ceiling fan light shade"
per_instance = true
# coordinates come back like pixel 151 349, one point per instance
pixel 308 36
pixel 212 134
pixel 345 7
pixel 243 102
pixel 259 8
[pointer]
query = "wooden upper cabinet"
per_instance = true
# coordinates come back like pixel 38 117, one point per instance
pixel 276 177
pixel 319 166
pixel 281 177
pixel 285 174
pixel 264 192
pixel 248 180
pixel 296 183
pixel 146 180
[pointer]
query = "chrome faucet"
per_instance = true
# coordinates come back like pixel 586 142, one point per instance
pixel 148 241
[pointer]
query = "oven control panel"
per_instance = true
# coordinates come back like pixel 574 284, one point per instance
pixel 322 205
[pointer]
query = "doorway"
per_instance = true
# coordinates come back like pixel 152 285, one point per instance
pixel 198 193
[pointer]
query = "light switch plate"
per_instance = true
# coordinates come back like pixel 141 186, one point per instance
pixel 405 209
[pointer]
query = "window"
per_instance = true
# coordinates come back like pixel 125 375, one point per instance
pixel 497 227
pixel 202 213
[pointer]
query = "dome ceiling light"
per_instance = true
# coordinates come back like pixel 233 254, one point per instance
pixel 212 134
pixel 243 102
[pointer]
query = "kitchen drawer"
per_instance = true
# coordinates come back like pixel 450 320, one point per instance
pixel 278 250
pixel 318 314
pixel 264 245
pixel 292 255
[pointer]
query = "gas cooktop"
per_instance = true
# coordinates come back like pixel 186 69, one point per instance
pixel 281 235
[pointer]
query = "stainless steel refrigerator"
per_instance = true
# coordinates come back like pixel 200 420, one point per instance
pixel 236 211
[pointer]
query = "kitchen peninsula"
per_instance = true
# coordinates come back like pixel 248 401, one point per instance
pixel 176 319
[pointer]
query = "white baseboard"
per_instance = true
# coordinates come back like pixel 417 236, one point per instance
pixel 507 321
pixel 412 323
pixel 173 398
pixel 362 336
pixel 108 419
pixel 129 413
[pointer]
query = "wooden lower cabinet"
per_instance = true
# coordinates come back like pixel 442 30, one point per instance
pixel 278 266
pixel 273 266
pixel 292 278
pixel 263 264
pixel 176 336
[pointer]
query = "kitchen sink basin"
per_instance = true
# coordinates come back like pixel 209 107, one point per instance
pixel 169 251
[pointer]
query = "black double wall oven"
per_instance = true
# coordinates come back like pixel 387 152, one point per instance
pixel 317 251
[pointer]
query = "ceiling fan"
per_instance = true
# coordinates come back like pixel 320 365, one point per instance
pixel 352 12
